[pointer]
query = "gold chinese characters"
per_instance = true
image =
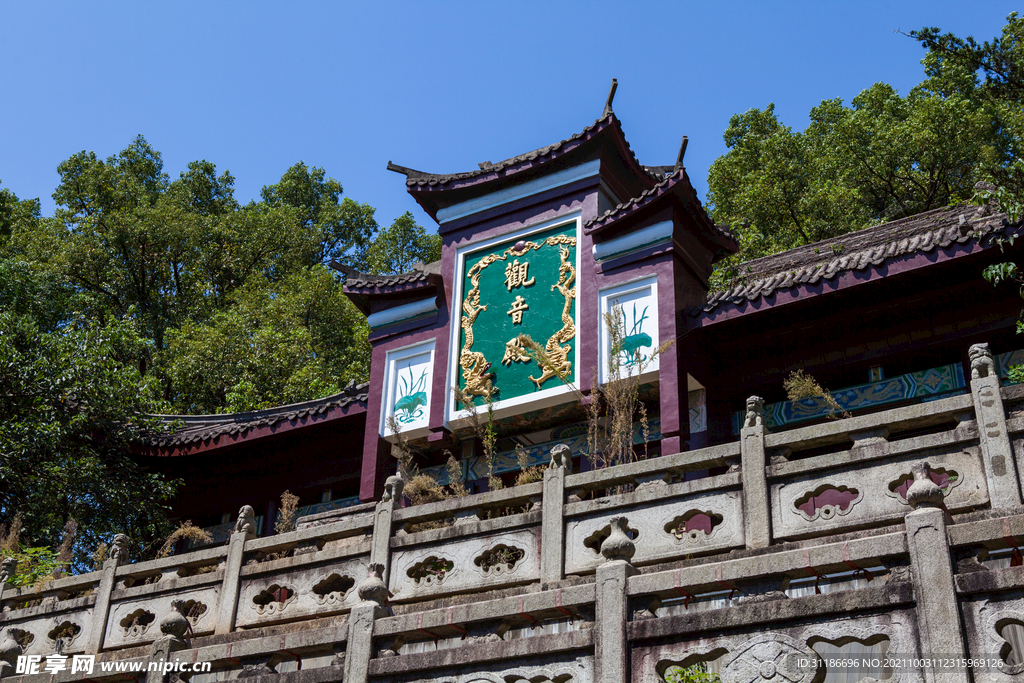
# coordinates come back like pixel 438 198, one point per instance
pixel 518 306
pixel 515 275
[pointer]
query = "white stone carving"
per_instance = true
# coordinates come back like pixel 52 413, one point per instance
pixel 203 621
pixel 878 504
pixel 650 519
pixel 465 573
pixel 769 658
pixel 304 602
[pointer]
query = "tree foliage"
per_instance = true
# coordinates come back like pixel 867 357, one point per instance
pixel 882 157
pixel 144 294
pixel 400 246
pixel 239 309
pixel 73 401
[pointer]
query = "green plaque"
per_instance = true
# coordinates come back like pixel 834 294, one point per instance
pixel 524 286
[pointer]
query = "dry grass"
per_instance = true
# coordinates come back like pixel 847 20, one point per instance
pixel 425 489
pixel 65 551
pixel 527 474
pixel 800 385
pixel 613 408
pixel 186 531
pixel 287 513
pixel 10 539
pixel 403 451
pixel 100 556
pixel 484 431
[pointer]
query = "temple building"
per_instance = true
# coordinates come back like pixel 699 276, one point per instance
pixel 720 531
pixel 541 249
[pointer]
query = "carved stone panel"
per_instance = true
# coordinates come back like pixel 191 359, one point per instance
pixel 789 653
pixel 850 497
pixel 550 669
pixel 461 565
pixel 302 592
pixel 994 624
pixel 62 632
pixel 676 528
pixel 136 621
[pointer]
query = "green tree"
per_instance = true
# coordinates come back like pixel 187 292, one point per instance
pixel 72 400
pixel 397 248
pixel 15 214
pixel 185 261
pixel 992 74
pixel 277 342
pixel 881 158
pixel 342 229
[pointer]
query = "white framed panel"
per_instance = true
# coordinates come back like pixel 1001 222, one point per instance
pixel 635 304
pixel 408 378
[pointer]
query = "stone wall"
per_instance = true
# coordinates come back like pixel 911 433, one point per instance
pixel 905 523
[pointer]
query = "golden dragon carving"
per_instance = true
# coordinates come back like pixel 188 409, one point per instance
pixel 557 363
pixel 476 379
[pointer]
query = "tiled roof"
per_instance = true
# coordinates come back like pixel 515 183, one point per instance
pixel 673 177
pixel 858 250
pixel 197 428
pixel 356 280
pixel 415 178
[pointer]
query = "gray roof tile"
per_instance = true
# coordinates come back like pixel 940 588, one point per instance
pixel 857 251
pixel 198 428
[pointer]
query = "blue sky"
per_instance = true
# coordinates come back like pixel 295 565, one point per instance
pixel 257 86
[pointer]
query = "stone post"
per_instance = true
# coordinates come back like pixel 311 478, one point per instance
pixel 611 651
pixel 173 626
pixel 8 569
pixel 373 595
pixel 552 530
pixel 938 613
pixel 245 529
pixel 996 450
pixel 756 512
pixel 108 580
pixel 380 547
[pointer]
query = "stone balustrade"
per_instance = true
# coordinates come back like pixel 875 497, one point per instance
pixel 616 575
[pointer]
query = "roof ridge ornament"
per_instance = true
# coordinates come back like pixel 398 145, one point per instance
pixel 682 153
pixel 611 97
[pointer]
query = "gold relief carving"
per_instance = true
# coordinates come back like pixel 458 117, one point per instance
pixel 518 306
pixel 558 364
pixel 515 275
pixel 475 376
pixel 474 366
pixel 514 352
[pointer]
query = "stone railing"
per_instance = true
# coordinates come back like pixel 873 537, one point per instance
pixel 907 521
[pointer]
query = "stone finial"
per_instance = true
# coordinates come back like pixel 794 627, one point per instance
pixel 8 568
pixel 174 624
pixel 618 545
pixel 923 493
pixel 393 488
pixel 982 362
pixel 246 522
pixel 372 588
pixel 755 412
pixel 119 548
pixel 561 456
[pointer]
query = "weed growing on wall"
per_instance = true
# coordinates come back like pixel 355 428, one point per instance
pixel 800 385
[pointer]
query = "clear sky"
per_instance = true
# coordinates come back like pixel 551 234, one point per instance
pixel 439 86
